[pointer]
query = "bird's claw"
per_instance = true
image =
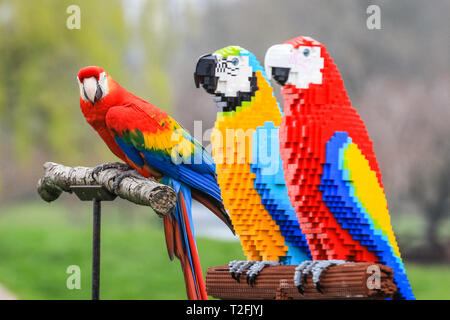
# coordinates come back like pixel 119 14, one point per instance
pixel 315 268
pixel 237 268
pixel 319 287
pixel 253 269
pixel 251 280
pixel 236 276
pixel 256 268
pixel 110 165
pixel 300 290
pixel 126 174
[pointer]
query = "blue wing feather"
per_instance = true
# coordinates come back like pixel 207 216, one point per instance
pixel 197 176
pixel 270 184
pixel 338 194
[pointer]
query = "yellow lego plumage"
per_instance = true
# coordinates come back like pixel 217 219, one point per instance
pixel 260 237
pixel 369 192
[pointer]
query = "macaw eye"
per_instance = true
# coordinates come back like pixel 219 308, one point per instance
pixel 306 52
pixel 235 61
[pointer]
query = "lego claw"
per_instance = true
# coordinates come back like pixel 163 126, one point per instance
pixel 319 287
pixel 300 290
pixel 237 268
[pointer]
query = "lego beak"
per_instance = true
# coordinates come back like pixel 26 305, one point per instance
pixel 204 74
pixel 280 75
pixel 277 62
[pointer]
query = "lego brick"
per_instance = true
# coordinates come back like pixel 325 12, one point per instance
pixel 257 202
pixel 331 172
pixel 276 282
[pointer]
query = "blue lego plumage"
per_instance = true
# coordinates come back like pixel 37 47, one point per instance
pixel 339 196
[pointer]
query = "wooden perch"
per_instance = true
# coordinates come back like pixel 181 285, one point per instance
pixel 346 281
pixel 148 192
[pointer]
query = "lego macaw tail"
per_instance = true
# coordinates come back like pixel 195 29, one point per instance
pixel 179 233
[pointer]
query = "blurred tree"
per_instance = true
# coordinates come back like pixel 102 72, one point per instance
pixel 40 57
pixel 430 183
pixel 411 122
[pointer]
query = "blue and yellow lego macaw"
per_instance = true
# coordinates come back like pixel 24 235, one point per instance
pixel 246 152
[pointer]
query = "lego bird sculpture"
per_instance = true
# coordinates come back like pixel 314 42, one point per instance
pixel 153 144
pixel 331 171
pixel 246 152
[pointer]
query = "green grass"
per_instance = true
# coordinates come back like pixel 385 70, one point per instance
pixel 430 282
pixel 39 241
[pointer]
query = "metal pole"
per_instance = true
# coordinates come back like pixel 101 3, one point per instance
pixel 96 250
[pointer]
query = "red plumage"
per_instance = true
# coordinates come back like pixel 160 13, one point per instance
pixel 317 112
pixel 137 131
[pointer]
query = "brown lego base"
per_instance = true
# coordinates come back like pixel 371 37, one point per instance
pixel 346 281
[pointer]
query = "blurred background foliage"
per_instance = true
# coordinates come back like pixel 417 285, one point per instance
pixel 40 60
pixel 398 79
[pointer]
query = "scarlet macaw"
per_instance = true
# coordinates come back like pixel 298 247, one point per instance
pixel 246 152
pixel 331 171
pixel 149 141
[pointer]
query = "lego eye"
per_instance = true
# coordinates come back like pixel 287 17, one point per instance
pixel 235 61
pixel 306 52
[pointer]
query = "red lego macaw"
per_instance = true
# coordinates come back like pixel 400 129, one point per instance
pixel 150 142
pixel 331 171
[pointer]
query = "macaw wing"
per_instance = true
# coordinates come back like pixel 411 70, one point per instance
pixel 271 186
pixel 163 145
pixel 351 191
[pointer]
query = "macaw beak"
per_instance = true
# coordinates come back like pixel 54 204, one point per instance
pixel 92 90
pixel 277 63
pixel 280 75
pixel 205 73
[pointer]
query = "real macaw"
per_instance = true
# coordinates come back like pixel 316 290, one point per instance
pixel 330 167
pixel 246 152
pixel 155 145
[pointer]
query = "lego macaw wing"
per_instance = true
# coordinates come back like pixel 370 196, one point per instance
pixel 271 186
pixel 353 194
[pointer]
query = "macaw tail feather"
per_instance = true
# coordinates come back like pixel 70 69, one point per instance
pixel 215 206
pixel 179 234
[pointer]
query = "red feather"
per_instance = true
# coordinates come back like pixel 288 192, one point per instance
pixel 184 261
pixel 170 237
pixel 194 252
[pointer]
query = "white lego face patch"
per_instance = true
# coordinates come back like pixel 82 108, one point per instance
pixel 304 63
pixel 233 74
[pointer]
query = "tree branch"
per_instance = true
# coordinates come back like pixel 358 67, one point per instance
pixel 346 281
pixel 58 178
